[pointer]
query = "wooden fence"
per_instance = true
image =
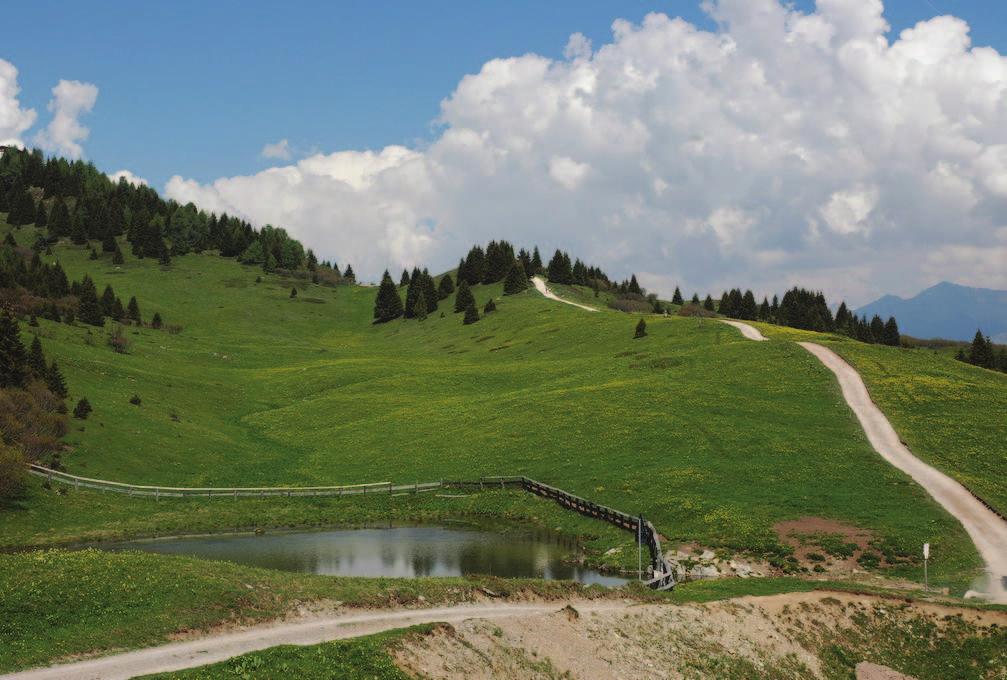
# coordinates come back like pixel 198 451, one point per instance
pixel 662 577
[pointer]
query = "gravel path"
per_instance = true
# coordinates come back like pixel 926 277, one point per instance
pixel 987 530
pixel 542 288
pixel 192 653
pixel 750 332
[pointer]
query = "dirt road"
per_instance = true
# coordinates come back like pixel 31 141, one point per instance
pixel 188 654
pixel 750 332
pixel 542 288
pixel 987 530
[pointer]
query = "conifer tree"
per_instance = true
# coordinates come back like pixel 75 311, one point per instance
pixel 59 218
pixel 349 275
pixel 13 358
pixel 641 329
pixel 536 262
pixel 445 287
pixel 78 227
pixel 133 311
pixel 22 209
pixel 429 291
pixel 82 409
pixel 388 304
pixel 164 259
pixel 415 285
pixel 404 280
pixel 695 299
pixel 88 307
pixel 36 359
pixel 471 313
pixel 107 300
pixel 55 382
pixel 749 308
pixel 156 322
pixel 420 306
pixel 634 287
pixel 464 298
pixel 117 257
pixel 516 281
pixel 708 303
pixel 108 243
pixel 93 255
pixel 676 299
pixel 489 307
pixel 842 318
pixel 891 335
pixel 981 352
pixel 764 310
pixel 118 313
pixel 293 293
pixel 41 216
pixel 877 329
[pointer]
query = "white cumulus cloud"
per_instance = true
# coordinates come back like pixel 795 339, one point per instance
pixel 781 147
pixel 133 179
pixel 14 119
pixel 64 133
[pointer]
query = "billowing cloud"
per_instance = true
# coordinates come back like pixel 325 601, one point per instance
pixel 280 149
pixel 135 180
pixel 782 147
pixel 64 133
pixel 14 120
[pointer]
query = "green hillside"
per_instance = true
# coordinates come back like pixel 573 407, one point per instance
pixel 713 437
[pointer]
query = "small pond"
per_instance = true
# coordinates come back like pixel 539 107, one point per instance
pixel 396 552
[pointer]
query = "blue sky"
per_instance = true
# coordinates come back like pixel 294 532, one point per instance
pixel 197 88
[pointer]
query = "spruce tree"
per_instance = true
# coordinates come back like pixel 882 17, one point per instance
pixel 471 313
pixel 634 288
pixel 22 209
pixel 641 329
pixel 156 322
pixel 764 310
pixel 55 382
pixel 429 291
pixel 420 306
pixel 117 312
pixel 82 409
pixel 88 306
pixel 676 299
pixel 536 262
pixel 59 218
pixel 41 216
pixel 293 293
pixel 749 308
pixel 107 300
pixel 695 299
pixel 78 227
pixel 93 255
pixel 133 311
pixel 36 359
pixel 349 275
pixel 891 335
pixel 516 281
pixel 708 303
pixel 464 298
pixel 412 291
pixel 981 352
pixel 490 306
pixel 445 287
pixel 404 279
pixel 877 329
pixel 13 358
pixel 109 244
pixel 388 304
pixel 117 257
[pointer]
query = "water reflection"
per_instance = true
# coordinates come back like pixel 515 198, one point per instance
pixel 397 552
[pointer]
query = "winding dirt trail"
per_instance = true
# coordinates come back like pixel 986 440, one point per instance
pixel 986 529
pixel 544 289
pixel 192 653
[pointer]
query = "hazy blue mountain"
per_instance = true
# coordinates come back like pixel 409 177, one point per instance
pixel 946 310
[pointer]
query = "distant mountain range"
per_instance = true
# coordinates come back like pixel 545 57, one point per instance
pixel 946 310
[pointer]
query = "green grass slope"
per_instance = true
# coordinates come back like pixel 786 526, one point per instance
pixel 713 437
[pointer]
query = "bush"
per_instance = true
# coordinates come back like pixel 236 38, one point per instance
pixel 471 314
pixel 695 310
pixel 156 322
pixel 13 472
pixel 117 339
pixel 82 409
pixel 631 306
pixel 490 307
pixel 135 400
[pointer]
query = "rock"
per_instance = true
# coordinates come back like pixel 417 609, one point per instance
pixel 704 571
pixel 613 551
pixel 707 555
pixel 872 671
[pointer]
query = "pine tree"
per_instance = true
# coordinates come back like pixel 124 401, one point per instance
pixel 464 298
pixel 471 313
pixel 676 299
pixel 117 312
pixel 156 322
pixel 429 291
pixel 117 257
pixel 108 243
pixel 536 262
pixel 82 409
pixel 22 209
pixel 412 291
pixel 516 281
pixel 877 329
pixel 634 287
pixel 764 310
pixel 842 318
pixel 420 306
pixel 404 280
pixel 59 218
pixel 695 299
pixel 93 255
pixel 78 227
pixel 13 358
pixel 36 359
pixel 41 216
pixel 88 306
pixel 981 352
pixel 445 287
pixel 107 300
pixel 749 308
pixel 349 275
pixel 293 293
pixel 133 311
pixel 164 259
pixel 388 304
pixel 641 329
pixel 560 269
pixel 55 382
pixel 891 335
pixel 708 303
pixel 489 307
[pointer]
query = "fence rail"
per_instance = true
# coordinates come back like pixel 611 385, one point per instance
pixel 661 577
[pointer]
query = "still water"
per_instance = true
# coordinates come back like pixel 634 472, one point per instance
pixel 398 552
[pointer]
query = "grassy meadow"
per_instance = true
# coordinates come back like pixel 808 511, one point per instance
pixel 713 437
